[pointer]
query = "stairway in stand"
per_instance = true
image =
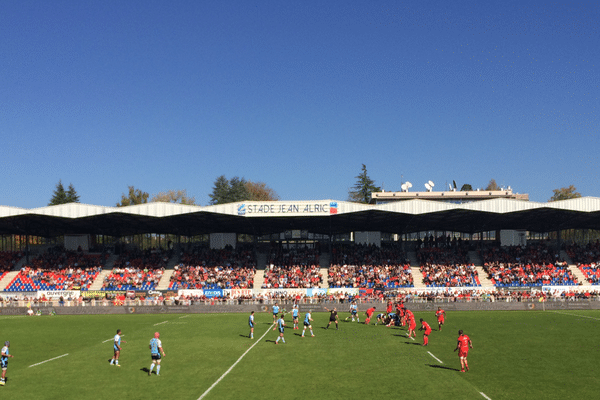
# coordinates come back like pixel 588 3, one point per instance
pixel 576 271
pixel 483 276
pixel 324 270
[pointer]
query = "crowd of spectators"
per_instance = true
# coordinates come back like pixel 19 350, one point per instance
pixel 368 266
pixel 533 265
pixel 587 259
pixel 58 269
pixel 447 266
pixel 8 261
pixel 137 270
pixel 292 268
pixel 204 268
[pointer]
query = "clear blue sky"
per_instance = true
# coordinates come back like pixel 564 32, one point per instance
pixel 168 95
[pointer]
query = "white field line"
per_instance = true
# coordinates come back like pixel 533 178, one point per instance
pixel 575 315
pixel 234 364
pixel 483 394
pixel 185 316
pixel 160 323
pixel 112 338
pixel 48 360
pixel 440 361
pixel 412 338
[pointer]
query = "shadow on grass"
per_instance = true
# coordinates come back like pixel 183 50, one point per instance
pixel 442 367
pixel 413 343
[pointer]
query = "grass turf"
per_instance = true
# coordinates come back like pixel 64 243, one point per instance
pixel 538 355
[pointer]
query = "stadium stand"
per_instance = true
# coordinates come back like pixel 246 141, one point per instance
pixel 292 268
pixel 137 270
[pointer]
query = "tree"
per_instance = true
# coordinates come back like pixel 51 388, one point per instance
pixel 259 191
pixel 228 191
pixel 136 196
pixel 565 193
pixel 174 196
pixel 466 187
pixel 60 196
pixel 492 185
pixel 362 189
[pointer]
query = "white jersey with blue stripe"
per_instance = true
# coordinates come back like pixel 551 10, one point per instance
pixel 155 344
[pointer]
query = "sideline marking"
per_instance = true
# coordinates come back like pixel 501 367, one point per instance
pixel 575 315
pixel 164 322
pixel 483 394
pixel 48 360
pixel 440 361
pixel 234 364
pixel 112 338
pixel 185 316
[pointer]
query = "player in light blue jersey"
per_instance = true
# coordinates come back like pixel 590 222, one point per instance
pixel 156 352
pixel 117 349
pixel 251 323
pixel 307 321
pixel 295 313
pixel 353 312
pixel 275 312
pixel 281 327
pixel 4 361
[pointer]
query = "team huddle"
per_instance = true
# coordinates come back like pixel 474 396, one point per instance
pixel 395 315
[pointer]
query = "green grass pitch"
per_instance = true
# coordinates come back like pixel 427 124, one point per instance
pixel 533 355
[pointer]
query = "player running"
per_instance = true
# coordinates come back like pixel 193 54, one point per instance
pixel 463 345
pixel 4 361
pixel 251 323
pixel 117 349
pixel 333 317
pixel 281 327
pixel 275 312
pixel 441 316
pixel 353 312
pixel 368 313
pixel 307 321
pixel 156 352
pixel 425 327
pixel 295 313
pixel 412 325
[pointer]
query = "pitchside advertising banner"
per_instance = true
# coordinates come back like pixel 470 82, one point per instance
pixel 57 294
pixel 235 293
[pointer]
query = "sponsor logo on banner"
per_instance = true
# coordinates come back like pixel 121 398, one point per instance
pixel 333 207
pixel 102 293
pixel 213 293
pixel 154 293
pixel 190 292
pixel 235 293
pixel 241 209
pixel 316 292
pixel 56 294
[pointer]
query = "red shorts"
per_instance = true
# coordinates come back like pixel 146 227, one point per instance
pixel 412 325
pixel 427 332
pixel 463 353
pixel 441 320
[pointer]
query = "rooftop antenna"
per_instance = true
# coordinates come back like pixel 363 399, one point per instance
pixel 429 186
pixel 405 186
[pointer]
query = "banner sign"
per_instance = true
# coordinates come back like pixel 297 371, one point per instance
pixel 20 295
pixel 213 293
pixel 57 294
pixel 286 209
pixel 348 291
pixel 102 293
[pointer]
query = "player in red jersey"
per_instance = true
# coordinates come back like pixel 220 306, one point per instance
pixel 463 346
pixel 390 308
pixel 425 327
pixel 369 312
pixel 441 316
pixel 412 325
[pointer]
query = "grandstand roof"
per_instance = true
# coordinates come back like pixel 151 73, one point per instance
pixel 319 216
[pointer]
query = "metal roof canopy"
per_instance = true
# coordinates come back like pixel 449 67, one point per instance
pixel 400 217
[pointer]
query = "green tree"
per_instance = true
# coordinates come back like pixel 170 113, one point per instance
pixel 60 196
pixel 135 196
pixel 362 189
pixel 229 191
pixel 174 196
pixel 466 187
pixel 492 185
pixel 565 193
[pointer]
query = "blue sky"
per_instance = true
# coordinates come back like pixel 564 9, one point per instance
pixel 168 95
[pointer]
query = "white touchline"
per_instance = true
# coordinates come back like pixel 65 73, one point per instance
pixel 234 364
pixel 48 360
pixel 185 316
pixel 575 315
pixel 164 322
pixel 440 361
pixel 483 394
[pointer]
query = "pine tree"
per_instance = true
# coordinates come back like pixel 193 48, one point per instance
pixel 362 189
